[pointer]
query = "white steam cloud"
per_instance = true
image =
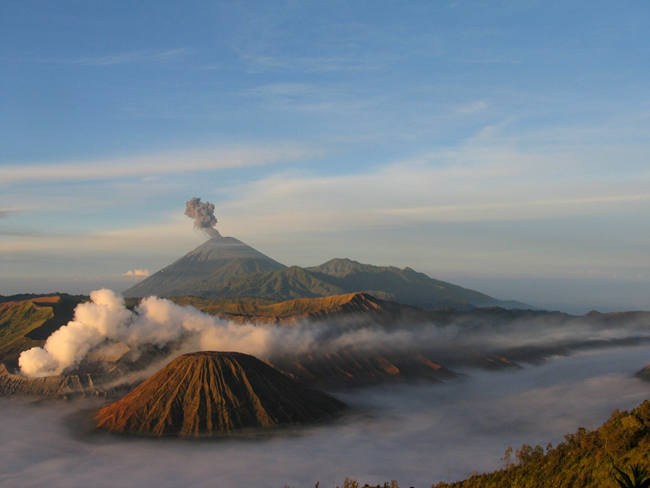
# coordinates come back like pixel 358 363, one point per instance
pixel 105 320
pixel 155 321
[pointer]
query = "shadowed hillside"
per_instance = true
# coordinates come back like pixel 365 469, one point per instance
pixel 226 267
pixel 403 285
pixel 216 260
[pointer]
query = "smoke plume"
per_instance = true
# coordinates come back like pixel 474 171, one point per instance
pixel 155 321
pixel 203 215
pixel 105 320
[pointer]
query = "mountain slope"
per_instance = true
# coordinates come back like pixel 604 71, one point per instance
pixel 343 276
pixel 226 267
pixel 28 323
pixel 284 284
pixel 219 258
pixel 402 285
pixel 358 307
pixel 59 386
pixel 216 392
pixel 584 459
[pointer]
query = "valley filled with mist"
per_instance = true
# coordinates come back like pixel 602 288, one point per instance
pixel 295 244
pixel 433 395
pixel 415 434
pixel 274 376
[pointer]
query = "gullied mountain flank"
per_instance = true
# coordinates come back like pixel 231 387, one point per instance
pixel 216 260
pixel 284 284
pixel 207 393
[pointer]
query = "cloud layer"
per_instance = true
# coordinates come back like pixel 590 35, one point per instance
pixel 416 435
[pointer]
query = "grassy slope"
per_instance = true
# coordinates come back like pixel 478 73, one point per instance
pixel 28 323
pixel 17 319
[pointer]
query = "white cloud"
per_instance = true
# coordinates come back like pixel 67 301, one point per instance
pixel 499 185
pixel 172 238
pixel 473 108
pixel 137 273
pixel 151 165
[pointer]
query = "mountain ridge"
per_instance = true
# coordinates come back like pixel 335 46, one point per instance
pixel 226 267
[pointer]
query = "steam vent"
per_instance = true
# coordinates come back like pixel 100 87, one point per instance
pixel 211 393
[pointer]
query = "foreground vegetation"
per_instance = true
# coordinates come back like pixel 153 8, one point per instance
pixel 584 459
pixel 616 454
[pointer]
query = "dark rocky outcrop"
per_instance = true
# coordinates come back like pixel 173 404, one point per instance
pixel 59 386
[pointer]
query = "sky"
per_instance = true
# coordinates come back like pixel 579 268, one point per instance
pixel 502 146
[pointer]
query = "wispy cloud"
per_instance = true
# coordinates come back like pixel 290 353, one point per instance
pixel 305 97
pixel 15 232
pixel 473 108
pixel 471 184
pixel 151 165
pixel 133 57
pixel 317 64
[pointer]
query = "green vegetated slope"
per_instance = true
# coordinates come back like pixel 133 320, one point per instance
pixel 28 323
pixel 584 459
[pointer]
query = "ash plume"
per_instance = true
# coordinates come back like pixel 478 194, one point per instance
pixel 203 215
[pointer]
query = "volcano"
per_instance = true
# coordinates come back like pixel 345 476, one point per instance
pixel 210 393
pixel 224 267
pixel 216 261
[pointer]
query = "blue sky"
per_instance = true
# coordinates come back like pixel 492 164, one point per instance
pixel 501 146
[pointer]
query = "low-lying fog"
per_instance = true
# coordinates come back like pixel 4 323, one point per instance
pixel 417 435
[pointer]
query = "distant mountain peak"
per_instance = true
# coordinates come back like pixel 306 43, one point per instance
pixel 215 254
pixel 226 267
pixel 337 267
